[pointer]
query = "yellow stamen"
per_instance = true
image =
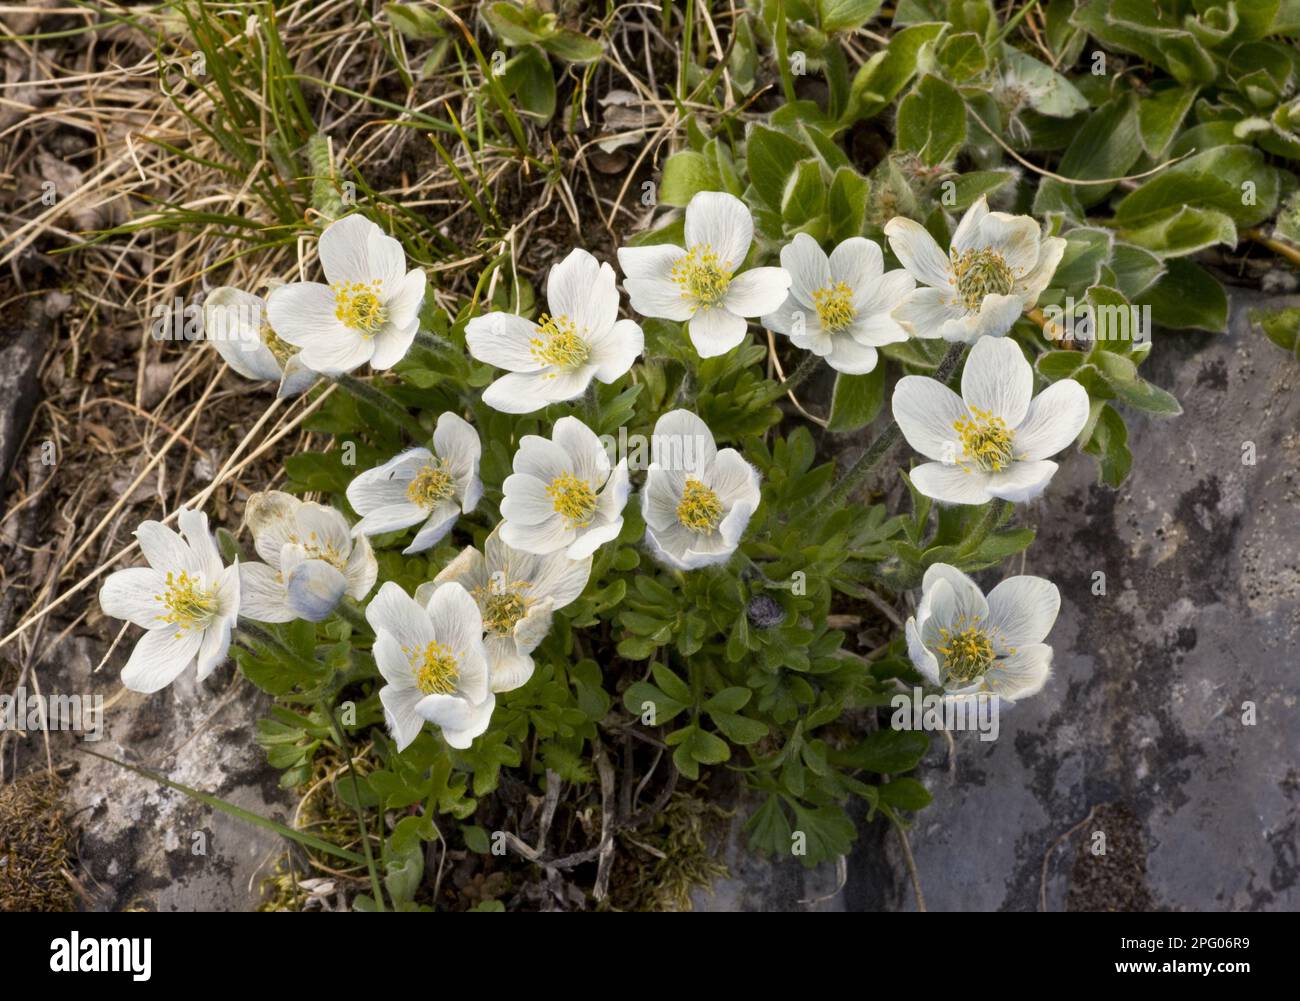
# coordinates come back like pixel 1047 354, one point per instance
pixel 701 276
pixel 574 499
pixel 282 350
pixel 967 652
pixel 436 669
pixel 559 343
pixel 358 306
pixel 188 604
pixel 981 272
pixel 699 509
pixel 432 484
pixel 985 440
pixel 834 305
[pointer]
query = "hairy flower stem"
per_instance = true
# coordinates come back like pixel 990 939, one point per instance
pixel 995 511
pixel 807 367
pixel 432 342
pixel 385 404
pixel 353 616
pixel 342 740
pixel 876 450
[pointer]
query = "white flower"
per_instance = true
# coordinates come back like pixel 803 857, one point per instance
pixel 432 657
pixel 997 267
pixel 839 306
pixel 562 494
pixel 185 598
pixel 236 324
pixel 700 283
pixel 697 500
pixel 517 594
pixel 421 486
pixel 966 644
pixel 311 560
pixel 369 311
pixel 993 440
pixel 556 359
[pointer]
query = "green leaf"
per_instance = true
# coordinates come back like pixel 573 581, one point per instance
pixel 1048 92
pixel 573 47
pixel 1185 231
pixel 842 15
pixel 904 794
pixel 1187 296
pixel 1160 116
pixel 1109 442
pixel 1281 326
pixel 963 56
pixel 888 751
pixel 804 196
pixel 857 399
pixel 771 157
pixel 528 78
pixel 687 173
pixel 883 77
pixel 1233 179
pixel 932 121
pixel 846 203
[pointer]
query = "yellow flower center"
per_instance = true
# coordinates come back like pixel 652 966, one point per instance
pixel 699 509
pixel 432 485
pixel 985 440
pixel 573 499
pixel 282 350
pixel 502 611
pixel 981 272
pixel 188 604
pixel 315 551
pixel 834 305
pixel 701 276
pixel 358 307
pixel 436 669
pixel 967 652
pixel 559 343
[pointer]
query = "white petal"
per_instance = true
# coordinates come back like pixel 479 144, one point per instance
pixel 262 594
pixel 926 312
pixel 1055 418
pixel 917 251
pixel 435 529
pixel 1022 610
pixel 1021 481
pixel 722 222
pixel 658 297
pixel 966 236
pixel 925 662
pixel 1013 237
pixel 339 353
pixel 404 304
pixel 302 313
pixel 361 570
pixel 393 341
pixel 313 589
pixel 951 484
pixel 997 379
pixel 884 293
pixel 682 442
pixel 809 270
pixel 344 250
pixel 393 518
pixel 926 411
pixel 716 331
pixel 614 352
pixel 165 550
pixel 404 723
pixel 297 378
pixel 757 291
pixel 460 720
pixel 654 262
pixel 520 393
pixel 545 537
pixel 996 316
pixel 160 657
pixel 509 667
pixel 734 480
pixel 1050 251
pixel 395 612
pixel 560 579
pixel 1022 674
pixel 455 440
pixel 215 646
pixel 588 459
pixel 582 288
pixel 850 357
pixel 857 262
pixel 526 502
pixel 133 595
pixel 503 340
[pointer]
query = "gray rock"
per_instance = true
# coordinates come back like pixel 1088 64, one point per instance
pixel 1143 717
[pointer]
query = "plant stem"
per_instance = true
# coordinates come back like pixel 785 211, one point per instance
pixel 993 515
pixel 807 367
pixel 341 739
pixel 384 403
pixel 353 616
pixel 888 438
pixel 432 342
